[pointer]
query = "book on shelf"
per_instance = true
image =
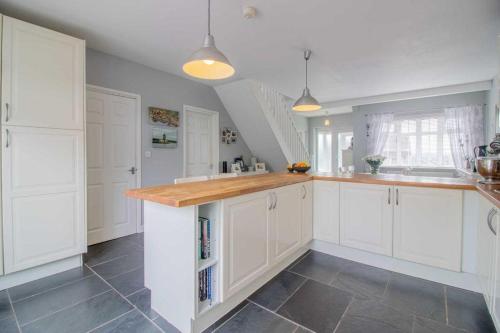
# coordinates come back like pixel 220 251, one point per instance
pixel 204 240
pixel 205 284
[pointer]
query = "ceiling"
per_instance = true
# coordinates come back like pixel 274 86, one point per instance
pixel 360 47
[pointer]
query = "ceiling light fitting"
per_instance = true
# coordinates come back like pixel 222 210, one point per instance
pixel 208 62
pixel 306 102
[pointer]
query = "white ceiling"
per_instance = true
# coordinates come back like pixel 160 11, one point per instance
pixel 360 47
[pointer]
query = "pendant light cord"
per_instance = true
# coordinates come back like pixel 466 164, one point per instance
pixel 209 32
pixel 306 71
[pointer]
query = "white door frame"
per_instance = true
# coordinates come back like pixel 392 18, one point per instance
pixel 138 140
pixel 215 136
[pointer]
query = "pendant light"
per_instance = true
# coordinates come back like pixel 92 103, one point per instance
pixel 327 120
pixel 208 62
pixel 306 102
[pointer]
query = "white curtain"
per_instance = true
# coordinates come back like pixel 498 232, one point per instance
pixel 465 129
pixel 377 132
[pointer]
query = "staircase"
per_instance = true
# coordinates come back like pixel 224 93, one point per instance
pixel 265 121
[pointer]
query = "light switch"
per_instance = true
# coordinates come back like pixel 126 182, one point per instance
pixel 147 154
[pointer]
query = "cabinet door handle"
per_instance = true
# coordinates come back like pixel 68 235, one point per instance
pixel 389 197
pixel 305 192
pixel 271 201
pixel 275 200
pixel 6 112
pixel 397 197
pixel 492 213
pixel 7 134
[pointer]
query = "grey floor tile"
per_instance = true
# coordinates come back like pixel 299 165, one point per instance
pixel 120 265
pixel 362 280
pixel 421 297
pixel 82 317
pixel 423 325
pixel 132 322
pixel 372 316
pixel 467 310
pixel 53 300
pixel 296 261
pixel 142 300
pixel 254 319
pixel 316 306
pixel 8 325
pixel 303 330
pixel 224 318
pixel 275 292
pixel 165 325
pixel 35 287
pixel 130 282
pixel 319 266
pixel 106 251
pixel 5 307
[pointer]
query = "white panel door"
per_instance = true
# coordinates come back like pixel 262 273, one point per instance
pixel 43 195
pixel 366 217
pixel 307 212
pixel 111 155
pixel 428 226
pixel 246 252
pixel 43 77
pixel 486 248
pixel 495 312
pixel 201 143
pixel 326 211
pixel 286 222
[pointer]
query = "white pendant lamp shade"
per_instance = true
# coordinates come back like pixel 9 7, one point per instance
pixel 208 62
pixel 306 102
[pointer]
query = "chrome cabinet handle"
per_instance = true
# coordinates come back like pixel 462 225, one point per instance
pixel 6 112
pixel 389 197
pixel 397 197
pixel 7 134
pixel 305 192
pixel 492 213
pixel 271 201
pixel 132 170
pixel 275 200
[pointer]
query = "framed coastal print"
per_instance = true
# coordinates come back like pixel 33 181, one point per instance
pixel 164 137
pixel 260 166
pixel 158 116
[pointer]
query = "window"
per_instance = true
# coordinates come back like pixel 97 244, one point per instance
pixel 323 151
pixel 418 142
pixel 344 153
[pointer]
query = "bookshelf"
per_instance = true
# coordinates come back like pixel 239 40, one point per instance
pixel 207 262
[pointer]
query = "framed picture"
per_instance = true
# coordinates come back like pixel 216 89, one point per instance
pixel 260 166
pixel 236 167
pixel 164 137
pixel 164 117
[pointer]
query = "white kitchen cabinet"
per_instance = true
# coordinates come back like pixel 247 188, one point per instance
pixel 495 309
pixel 428 226
pixel 486 249
pixel 326 211
pixel 366 217
pixel 245 241
pixel 307 212
pixel 43 195
pixel 286 222
pixel 43 77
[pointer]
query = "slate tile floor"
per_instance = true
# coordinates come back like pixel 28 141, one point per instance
pixel 317 293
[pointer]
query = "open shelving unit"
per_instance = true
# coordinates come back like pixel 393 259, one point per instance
pixel 208 266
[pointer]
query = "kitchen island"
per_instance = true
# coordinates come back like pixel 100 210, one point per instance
pixel 211 244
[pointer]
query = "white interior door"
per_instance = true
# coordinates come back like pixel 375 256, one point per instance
pixel 201 144
pixel 112 165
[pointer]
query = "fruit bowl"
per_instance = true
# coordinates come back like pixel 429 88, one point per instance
pixel 301 169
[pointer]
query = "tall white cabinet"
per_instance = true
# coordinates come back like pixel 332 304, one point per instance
pixel 43 145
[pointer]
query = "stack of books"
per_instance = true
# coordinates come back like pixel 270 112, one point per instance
pixel 204 241
pixel 205 283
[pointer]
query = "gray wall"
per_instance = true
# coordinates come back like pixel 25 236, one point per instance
pixel 421 105
pixel 338 123
pixel 164 90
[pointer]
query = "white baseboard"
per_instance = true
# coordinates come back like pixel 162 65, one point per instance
pixel 456 279
pixel 31 274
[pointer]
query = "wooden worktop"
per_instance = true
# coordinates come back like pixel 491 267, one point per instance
pixel 195 193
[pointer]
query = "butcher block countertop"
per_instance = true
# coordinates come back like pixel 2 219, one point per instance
pixel 196 193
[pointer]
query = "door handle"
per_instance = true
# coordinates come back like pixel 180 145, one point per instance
pixel 275 200
pixel 271 201
pixel 389 197
pixel 7 135
pixel 6 112
pixel 397 197
pixel 132 170
pixel 492 213
pixel 305 191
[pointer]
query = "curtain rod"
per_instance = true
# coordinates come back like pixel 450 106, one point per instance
pixel 434 108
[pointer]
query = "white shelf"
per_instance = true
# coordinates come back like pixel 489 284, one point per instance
pixel 205 263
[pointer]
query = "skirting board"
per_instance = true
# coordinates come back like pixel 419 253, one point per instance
pixel 31 274
pixel 466 281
